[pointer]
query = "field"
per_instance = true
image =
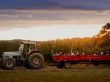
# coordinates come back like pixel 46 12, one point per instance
pixel 52 74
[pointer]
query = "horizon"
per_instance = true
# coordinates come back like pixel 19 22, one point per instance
pixel 44 34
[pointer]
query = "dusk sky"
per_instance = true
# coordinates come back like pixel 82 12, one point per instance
pixel 52 19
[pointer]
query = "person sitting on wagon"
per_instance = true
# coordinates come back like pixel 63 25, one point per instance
pixel 72 53
pixel 77 53
pixel 83 53
pixel 102 53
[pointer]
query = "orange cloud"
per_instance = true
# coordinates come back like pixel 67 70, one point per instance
pixel 28 18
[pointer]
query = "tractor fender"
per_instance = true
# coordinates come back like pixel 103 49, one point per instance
pixel 33 52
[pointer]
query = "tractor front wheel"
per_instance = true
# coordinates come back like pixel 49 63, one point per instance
pixel 8 63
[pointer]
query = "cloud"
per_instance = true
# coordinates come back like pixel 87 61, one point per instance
pixel 51 14
pixel 10 19
pixel 55 4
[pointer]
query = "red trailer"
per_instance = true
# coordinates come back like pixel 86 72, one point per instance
pixel 66 60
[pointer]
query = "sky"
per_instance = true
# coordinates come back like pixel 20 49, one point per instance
pixel 52 19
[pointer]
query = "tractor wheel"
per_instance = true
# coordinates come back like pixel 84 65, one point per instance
pixel 35 61
pixel 67 65
pixel 8 63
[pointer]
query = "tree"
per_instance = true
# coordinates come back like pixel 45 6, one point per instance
pixel 103 39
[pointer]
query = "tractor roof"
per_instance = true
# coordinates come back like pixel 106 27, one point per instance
pixel 28 42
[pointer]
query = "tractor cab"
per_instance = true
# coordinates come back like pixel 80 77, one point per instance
pixel 26 47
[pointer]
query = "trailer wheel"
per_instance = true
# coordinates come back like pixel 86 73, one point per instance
pixel 8 63
pixel 60 65
pixel 67 65
pixel 35 61
pixel 96 63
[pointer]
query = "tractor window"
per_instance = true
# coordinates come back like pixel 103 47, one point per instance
pixel 32 47
pixel 26 47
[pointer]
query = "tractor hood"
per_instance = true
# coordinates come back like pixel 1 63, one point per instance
pixel 11 54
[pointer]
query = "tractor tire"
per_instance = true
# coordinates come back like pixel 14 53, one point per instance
pixel 35 61
pixel 8 63
pixel 67 65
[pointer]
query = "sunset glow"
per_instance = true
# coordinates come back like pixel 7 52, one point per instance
pixel 50 32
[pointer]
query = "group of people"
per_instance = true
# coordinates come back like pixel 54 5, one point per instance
pixel 77 53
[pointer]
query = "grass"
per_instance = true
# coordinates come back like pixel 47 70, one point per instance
pixel 56 75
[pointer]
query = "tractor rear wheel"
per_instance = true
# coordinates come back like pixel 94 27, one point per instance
pixel 35 61
pixel 8 63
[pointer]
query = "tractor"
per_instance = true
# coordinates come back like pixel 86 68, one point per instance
pixel 27 54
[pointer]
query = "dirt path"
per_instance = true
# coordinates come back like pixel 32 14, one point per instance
pixel 54 68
